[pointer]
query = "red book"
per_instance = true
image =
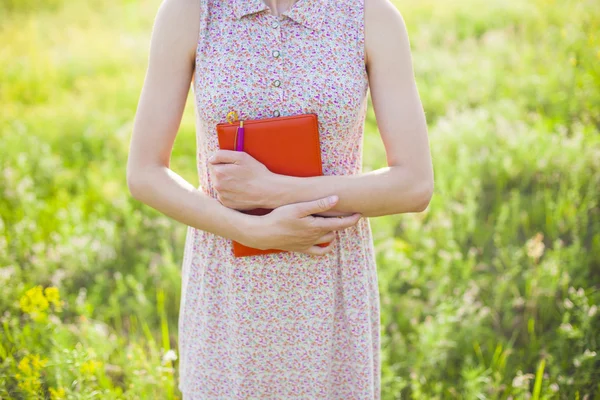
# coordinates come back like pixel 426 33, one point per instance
pixel 286 145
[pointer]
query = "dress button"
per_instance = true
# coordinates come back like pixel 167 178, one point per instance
pixel 276 83
pixel 276 53
pixel 275 24
pixel 276 113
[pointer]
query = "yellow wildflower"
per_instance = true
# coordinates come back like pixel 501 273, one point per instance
pixel 34 300
pixel 24 366
pixel 29 380
pixel 38 363
pixel 53 296
pixel 57 394
pixel 37 300
pixel 31 364
pixel 89 367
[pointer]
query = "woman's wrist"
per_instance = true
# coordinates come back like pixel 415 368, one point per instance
pixel 276 191
pixel 250 230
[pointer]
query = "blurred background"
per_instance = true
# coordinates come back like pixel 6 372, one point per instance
pixel 492 293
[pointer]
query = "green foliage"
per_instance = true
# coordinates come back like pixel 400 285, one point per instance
pixel 28 6
pixel 486 283
pixel 492 293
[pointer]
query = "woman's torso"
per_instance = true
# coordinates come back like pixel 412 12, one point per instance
pixel 308 60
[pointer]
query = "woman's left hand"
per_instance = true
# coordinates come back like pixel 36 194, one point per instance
pixel 241 181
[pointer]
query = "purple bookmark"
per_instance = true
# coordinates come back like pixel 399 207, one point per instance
pixel 239 145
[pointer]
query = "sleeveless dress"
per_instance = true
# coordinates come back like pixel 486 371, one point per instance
pixel 282 325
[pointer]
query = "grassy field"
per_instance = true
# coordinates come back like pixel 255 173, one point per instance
pixel 492 293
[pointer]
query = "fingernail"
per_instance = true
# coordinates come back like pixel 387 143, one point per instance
pixel 332 199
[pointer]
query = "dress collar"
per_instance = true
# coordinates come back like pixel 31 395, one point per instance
pixel 309 13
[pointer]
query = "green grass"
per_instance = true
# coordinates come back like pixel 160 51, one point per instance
pixel 492 293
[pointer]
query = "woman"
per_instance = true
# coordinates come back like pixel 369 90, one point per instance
pixel 303 323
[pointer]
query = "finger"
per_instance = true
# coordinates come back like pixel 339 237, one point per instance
pixel 316 206
pixel 318 250
pixel 336 224
pixel 222 170
pixel 226 156
pixel 328 237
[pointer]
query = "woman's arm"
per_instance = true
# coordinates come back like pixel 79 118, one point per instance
pixel 406 185
pixel 157 120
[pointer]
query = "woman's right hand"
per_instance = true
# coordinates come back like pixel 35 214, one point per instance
pixel 293 228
